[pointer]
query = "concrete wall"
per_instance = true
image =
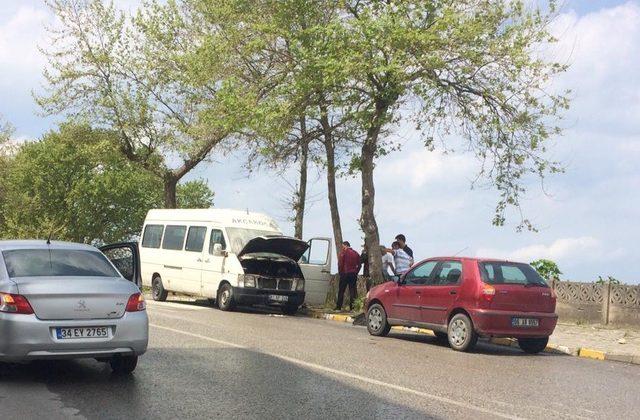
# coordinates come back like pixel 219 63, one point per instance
pixel 579 312
pixel 609 304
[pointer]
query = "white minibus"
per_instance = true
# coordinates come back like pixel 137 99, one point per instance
pixel 232 257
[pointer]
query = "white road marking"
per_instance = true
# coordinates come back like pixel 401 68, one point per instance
pixel 337 372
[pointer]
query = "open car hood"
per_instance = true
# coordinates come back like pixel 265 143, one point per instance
pixel 282 245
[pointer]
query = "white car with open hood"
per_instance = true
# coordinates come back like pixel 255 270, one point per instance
pixel 232 257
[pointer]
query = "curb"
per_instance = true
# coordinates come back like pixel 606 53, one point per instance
pixel 509 342
pixel 337 317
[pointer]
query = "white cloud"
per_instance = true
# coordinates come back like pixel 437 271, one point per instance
pixel 20 60
pixel 419 167
pixel 559 249
pixel 632 146
pixel 603 50
pixel 562 249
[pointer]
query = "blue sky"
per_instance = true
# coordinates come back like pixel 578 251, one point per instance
pixel 587 217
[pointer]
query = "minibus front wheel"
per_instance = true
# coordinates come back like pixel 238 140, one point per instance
pixel 158 291
pixel 225 298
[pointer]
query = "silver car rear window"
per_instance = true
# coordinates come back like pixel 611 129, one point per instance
pixel 57 262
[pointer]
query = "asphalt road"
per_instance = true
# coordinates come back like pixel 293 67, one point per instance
pixel 204 363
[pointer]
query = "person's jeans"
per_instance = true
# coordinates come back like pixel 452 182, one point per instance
pixel 351 280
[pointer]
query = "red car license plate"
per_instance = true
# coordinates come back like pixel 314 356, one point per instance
pixel 524 322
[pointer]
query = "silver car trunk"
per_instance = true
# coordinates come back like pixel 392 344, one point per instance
pixel 63 298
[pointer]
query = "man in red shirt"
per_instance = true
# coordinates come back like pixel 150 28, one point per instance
pixel 348 268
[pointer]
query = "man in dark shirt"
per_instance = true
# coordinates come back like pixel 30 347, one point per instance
pixel 403 244
pixel 348 268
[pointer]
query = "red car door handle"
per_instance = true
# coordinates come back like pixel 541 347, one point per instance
pixel 453 292
pixel 418 292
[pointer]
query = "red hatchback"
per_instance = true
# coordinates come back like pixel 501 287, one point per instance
pixel 461 299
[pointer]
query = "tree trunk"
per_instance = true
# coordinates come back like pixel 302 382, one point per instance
pixel 301 194
pixel 331 178
pixel 170 186
pixel 367 218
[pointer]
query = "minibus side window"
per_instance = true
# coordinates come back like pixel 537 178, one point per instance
pixel 152 236
pixel 195 238
pixel 174 237
pixel 217 237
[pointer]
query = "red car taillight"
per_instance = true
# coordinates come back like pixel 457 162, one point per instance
pixel 15 304
pixel 488 292
pixel 136 303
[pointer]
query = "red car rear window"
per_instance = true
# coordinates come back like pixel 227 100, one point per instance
pixel 502 272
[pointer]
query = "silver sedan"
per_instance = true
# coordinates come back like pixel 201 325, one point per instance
pixel 63 300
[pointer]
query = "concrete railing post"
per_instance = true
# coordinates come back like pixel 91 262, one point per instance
pixel 606 299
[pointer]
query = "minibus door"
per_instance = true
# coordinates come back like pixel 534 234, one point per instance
pixel 316 268
pixel 215 256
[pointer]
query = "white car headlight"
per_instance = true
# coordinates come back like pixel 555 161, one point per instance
pixel 246 280
pixel 300 284
pixel 249 280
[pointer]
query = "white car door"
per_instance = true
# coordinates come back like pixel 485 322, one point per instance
pixel 316 268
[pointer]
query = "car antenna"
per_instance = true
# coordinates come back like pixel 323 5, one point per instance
pixel 462 250
pixel 49 248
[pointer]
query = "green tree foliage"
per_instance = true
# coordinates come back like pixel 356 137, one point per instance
pixel 133 74
pixel 466 67
pixel 6 153
pixel 288 48
pixel 76 184
pixel 195 195
pixel 609 279
pixel 547 269
pixel 470 68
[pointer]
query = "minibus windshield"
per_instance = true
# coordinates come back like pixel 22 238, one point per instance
pixel 240 236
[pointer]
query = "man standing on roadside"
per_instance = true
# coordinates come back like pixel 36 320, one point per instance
pixel 401 259
pixel 348 268
pixel 402 240
pixel 388 270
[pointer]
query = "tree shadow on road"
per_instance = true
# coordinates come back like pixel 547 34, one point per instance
pixel 205 383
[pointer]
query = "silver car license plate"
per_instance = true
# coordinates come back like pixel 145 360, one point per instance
pixel 524 322
pixel 70 333
pixel 278 298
